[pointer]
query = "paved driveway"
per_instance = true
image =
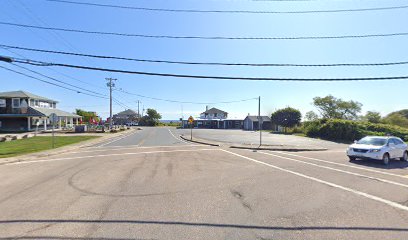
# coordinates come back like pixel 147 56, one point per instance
pixel 232 137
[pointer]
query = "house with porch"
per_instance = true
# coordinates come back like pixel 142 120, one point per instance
pixel 22 111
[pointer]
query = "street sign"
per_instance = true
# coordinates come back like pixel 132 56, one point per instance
pixel 53 117
pixel 191 121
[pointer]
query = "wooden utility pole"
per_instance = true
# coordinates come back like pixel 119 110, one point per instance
pixel 110 84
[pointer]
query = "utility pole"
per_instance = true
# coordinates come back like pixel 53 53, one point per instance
pixel 110 84
pixel 138 112
pixel 259 121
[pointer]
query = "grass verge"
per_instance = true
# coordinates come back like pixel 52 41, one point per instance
pixel 37 144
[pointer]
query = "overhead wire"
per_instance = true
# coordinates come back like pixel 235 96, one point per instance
pixel 45 81
pixel 125 7
pixel 205 37
pixel 208 63
pixel 39 63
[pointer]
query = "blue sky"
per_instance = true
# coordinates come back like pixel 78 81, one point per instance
pixel 383 96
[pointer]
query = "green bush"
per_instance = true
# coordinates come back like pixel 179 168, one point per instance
pixel 346 130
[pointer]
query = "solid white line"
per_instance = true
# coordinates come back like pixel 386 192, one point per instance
pixel 107 155
pixel 179 139
pixel 345 165
pixel 338 170
pixel 366 195
pixel 135 147
pixel 116 139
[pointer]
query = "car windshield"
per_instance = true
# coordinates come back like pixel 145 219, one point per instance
pixel 373 141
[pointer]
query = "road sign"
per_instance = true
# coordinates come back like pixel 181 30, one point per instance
pixel 190 119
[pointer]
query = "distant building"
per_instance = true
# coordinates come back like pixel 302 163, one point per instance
pixel 252 123
pixel 126 117
pixel 215 118
pixel 22 111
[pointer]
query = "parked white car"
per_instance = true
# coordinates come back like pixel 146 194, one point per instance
pixel 379 148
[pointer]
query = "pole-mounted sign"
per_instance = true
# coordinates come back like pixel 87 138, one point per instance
pixel 191 122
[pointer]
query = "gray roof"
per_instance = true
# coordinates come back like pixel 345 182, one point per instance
pixel 48 111
pixel 23 94
pixel 127 112
pixel 255 118
pixel 213 110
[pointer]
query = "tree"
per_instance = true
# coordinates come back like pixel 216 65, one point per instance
pixel 372 117
pixel 286 117
pixel 87 115
pixel 336 108
pixel 396 119
pixel 151 119
pixel 311 116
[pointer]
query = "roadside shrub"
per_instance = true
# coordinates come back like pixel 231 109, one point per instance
pixel 347 130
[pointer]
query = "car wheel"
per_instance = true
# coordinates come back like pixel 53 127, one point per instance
pixel 352 158
pixel 404 157
pixel 386 159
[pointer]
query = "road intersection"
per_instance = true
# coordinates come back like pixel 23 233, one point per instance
pixel 151 184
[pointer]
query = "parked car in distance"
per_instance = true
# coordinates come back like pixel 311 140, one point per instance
pixel 379 148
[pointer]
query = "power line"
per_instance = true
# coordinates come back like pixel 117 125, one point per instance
pixel 38 63
pixel 227 11
pixel 60 73
pixel 206 37
pixel 187 102
pixel 210 63
pixel 48 82
pixel 54 79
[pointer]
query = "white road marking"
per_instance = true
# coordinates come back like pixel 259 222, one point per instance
pixel 116 139
pixel 179 139
pixel 108 155
pixel 135 147
pixel 363 194
pixel 338 170
pixel 345 165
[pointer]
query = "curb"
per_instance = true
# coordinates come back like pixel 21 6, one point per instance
pixel 200 142
pixel 61 150
pixel 282 149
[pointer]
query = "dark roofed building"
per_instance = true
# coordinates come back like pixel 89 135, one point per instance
pixel 252 123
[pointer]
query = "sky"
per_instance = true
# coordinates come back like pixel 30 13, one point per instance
pixel 381 96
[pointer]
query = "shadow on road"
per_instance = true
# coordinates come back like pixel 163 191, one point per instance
pixel 394 164
pixel 211 225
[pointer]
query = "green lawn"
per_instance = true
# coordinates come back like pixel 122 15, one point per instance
pixel 36 144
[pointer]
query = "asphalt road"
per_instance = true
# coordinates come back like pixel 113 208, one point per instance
pixel 134 189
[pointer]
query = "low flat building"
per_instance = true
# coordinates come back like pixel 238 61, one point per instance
pixel 252 123
pixel 22 111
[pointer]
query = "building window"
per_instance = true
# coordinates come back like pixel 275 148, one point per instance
pixel 36 103
pixel 215 114
pixel 31 102
pixel 16 102
pixel 2 102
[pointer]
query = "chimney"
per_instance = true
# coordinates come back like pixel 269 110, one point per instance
pixel 206 108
